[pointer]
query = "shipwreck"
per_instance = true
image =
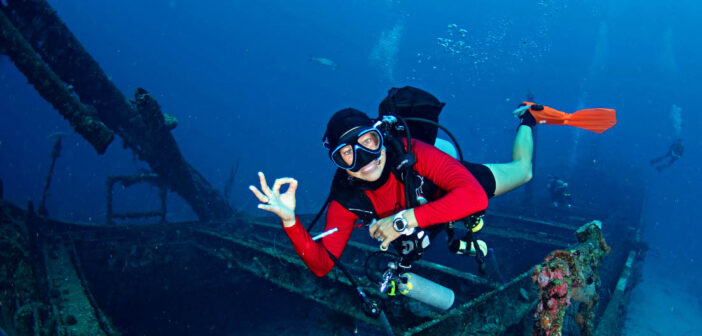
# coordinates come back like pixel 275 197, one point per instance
pixel 556 273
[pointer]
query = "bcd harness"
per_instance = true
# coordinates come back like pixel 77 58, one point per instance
pixel 349 192
pixel 412 103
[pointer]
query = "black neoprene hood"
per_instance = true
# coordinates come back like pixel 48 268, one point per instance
pixel 343 121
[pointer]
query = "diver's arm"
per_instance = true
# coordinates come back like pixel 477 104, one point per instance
pixel 314 254
pixel 464 195
pixel 311 252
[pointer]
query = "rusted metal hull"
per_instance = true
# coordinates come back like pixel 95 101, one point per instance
pixel 258 249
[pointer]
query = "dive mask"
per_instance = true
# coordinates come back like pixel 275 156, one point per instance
pixel 357 148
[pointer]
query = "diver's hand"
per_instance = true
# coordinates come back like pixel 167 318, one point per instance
pixel 384 231
pixel 519 112
pixel 282 205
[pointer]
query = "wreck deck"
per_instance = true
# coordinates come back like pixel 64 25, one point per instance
pixel 106 270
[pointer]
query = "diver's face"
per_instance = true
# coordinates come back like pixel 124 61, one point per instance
pixel 372 171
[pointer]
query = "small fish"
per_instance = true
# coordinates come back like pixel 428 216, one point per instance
pixel 324 61
pixel 57 135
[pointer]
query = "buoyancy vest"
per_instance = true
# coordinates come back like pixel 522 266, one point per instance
pixel 405 102
pixel 350 192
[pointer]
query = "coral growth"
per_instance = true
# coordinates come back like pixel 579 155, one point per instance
pixel 566 276
pixel 555 280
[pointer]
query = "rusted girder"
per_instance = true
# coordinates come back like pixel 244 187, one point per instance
pixel 82 118
pixel 141 126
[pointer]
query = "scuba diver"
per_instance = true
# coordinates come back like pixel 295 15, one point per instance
pixel 560 195
pixel 367 186
pixel 406 191
pixel 674 153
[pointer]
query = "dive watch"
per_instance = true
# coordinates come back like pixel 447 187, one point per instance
pixel 401 225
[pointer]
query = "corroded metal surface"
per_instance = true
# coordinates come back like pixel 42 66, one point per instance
pixel 70 300
pixel 285 269
pixel 42 291
pixel 570 275
pixel 140 123
pixel 84 120
pixel 250 245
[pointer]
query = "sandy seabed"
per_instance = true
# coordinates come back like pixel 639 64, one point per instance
pixel 662 305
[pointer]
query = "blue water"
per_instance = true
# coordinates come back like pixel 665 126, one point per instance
pixel 238 76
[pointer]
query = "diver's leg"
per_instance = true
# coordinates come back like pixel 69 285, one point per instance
pixel 663 157
pixel 667 164
pixel 509 176
pixel 670 157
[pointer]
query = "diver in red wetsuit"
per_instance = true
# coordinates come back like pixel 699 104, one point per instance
pixel 366 186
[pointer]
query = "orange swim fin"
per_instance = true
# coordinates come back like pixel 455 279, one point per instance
pixel 597 120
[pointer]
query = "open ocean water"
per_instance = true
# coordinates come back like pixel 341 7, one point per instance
pixel 253 84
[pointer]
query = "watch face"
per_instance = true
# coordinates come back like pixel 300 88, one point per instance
pixel 400 224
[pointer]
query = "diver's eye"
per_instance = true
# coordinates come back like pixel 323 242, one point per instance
pixel 347 154
pixel 370 140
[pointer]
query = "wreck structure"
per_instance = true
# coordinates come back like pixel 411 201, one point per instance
pixel 560 278
pixel 57 65
pixel 556 273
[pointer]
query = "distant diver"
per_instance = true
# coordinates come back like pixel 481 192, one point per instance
pixel 401 186
pixel 675 152
pixel 324 62
pixel 560 194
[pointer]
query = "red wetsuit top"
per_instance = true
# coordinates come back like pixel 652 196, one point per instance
pixel 462 197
